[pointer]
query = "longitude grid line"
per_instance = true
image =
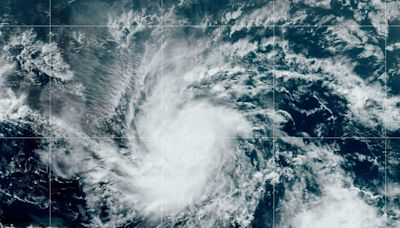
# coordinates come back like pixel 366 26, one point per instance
pixel 274 110
pixel 162 106
pixel 384 116
pixel 50 111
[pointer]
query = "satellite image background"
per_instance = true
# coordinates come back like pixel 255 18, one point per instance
pixel 200 113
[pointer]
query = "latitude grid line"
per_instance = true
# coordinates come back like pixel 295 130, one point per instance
pixel 196 26
pixel 385 137
pixel 261 137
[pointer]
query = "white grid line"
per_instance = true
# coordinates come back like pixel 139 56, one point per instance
pixel 273 119
pixel 196 26
pixel 162 107
pixel 169 137
pixel 50 111
pixel 384 116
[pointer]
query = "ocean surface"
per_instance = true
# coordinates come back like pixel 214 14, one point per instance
pixel 200 113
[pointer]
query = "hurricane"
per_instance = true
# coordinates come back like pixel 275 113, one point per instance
pixel 199 113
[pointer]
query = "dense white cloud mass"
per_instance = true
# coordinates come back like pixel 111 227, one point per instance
pixel 337 204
